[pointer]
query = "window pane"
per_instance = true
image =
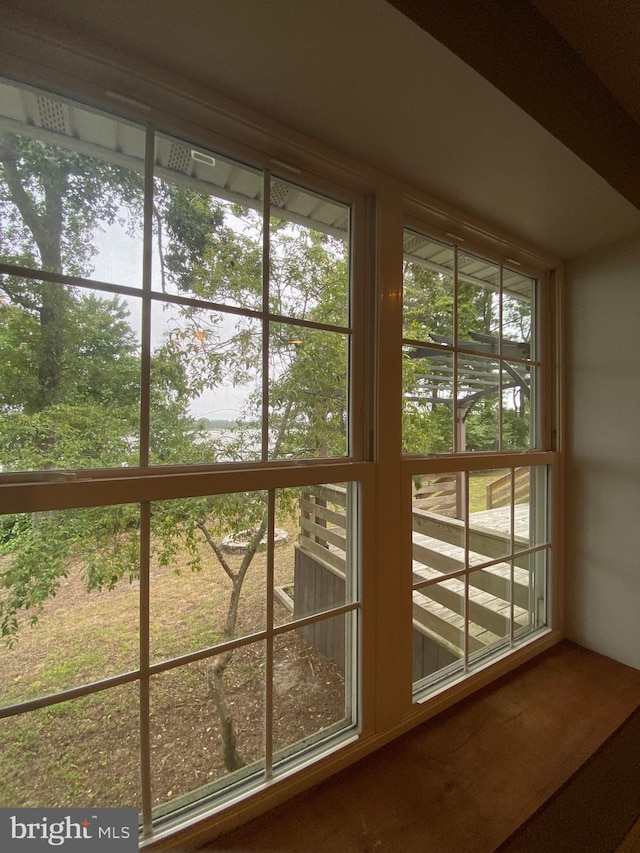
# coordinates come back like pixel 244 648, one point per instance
pixel 438 525
pixel 70 604
pixel 517 421
pixel 428 291
pixel 69 379
pixel 308 392
pixel 208 582
pixel 206 381
pixel 490 513
pixel 489 615
pixel 71 190
pixel 207 225
pixel 531 507
pixel 310 692
pixel 493 308
pixel 478 404
pixel 320 569
pixel 531 573
pixel 207 726
pixel 285 555
pixel 309 255
pixel 80 753
pixel 438 629
pixel 518 294
pixel 505 587
pixel 478 304
pixel 427 385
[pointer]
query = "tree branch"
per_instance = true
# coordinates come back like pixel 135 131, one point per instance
pixel 284 423
pixel 216 550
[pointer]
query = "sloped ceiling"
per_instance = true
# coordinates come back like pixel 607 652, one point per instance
pixel 363 77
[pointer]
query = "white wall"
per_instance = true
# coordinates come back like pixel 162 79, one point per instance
pixel 603 583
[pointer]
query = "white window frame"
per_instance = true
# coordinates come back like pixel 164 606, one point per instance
pixel 544 451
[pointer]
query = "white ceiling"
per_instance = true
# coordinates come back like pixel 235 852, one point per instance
pixel 362 77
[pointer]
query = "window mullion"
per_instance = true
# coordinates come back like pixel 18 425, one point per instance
pixel 268 686
pixel 145 508
pixel 458 424
pixel 145 360
pixel 467 578
pixel 500 359
pixel 145 725
pixel 266 276
pixel 512 569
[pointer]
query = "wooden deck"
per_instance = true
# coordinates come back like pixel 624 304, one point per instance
pixel 495 605
pixel 439 551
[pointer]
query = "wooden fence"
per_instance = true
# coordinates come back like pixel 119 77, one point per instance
pixel 440 495
pixel 320 567
pixel 499 491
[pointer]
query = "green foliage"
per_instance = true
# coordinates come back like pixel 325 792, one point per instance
pixel 204 255
pixel 46 546
pixel 482 425
pixel 428 303
pixel 516 429
pixel 93 419
pixel 432 433
pixel 53 200
pixel 102 360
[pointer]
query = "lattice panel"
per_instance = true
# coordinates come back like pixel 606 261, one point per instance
pixel 53 115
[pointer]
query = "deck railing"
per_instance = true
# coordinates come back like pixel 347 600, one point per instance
pixel 499 491
pixel 438 552
pixel 323 533
pixel 439 495
pixel 438 609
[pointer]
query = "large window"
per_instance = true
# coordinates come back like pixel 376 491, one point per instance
pixel 163 311
pixel 256 511
pixel 180 615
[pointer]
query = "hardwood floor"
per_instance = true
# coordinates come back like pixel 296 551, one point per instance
pixel 464 781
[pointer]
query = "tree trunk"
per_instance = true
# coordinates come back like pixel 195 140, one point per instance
pixel 46 226
pixel 53 320
pixel 232 758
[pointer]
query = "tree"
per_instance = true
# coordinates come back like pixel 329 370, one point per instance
pixel 70 384
pixel 307 393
